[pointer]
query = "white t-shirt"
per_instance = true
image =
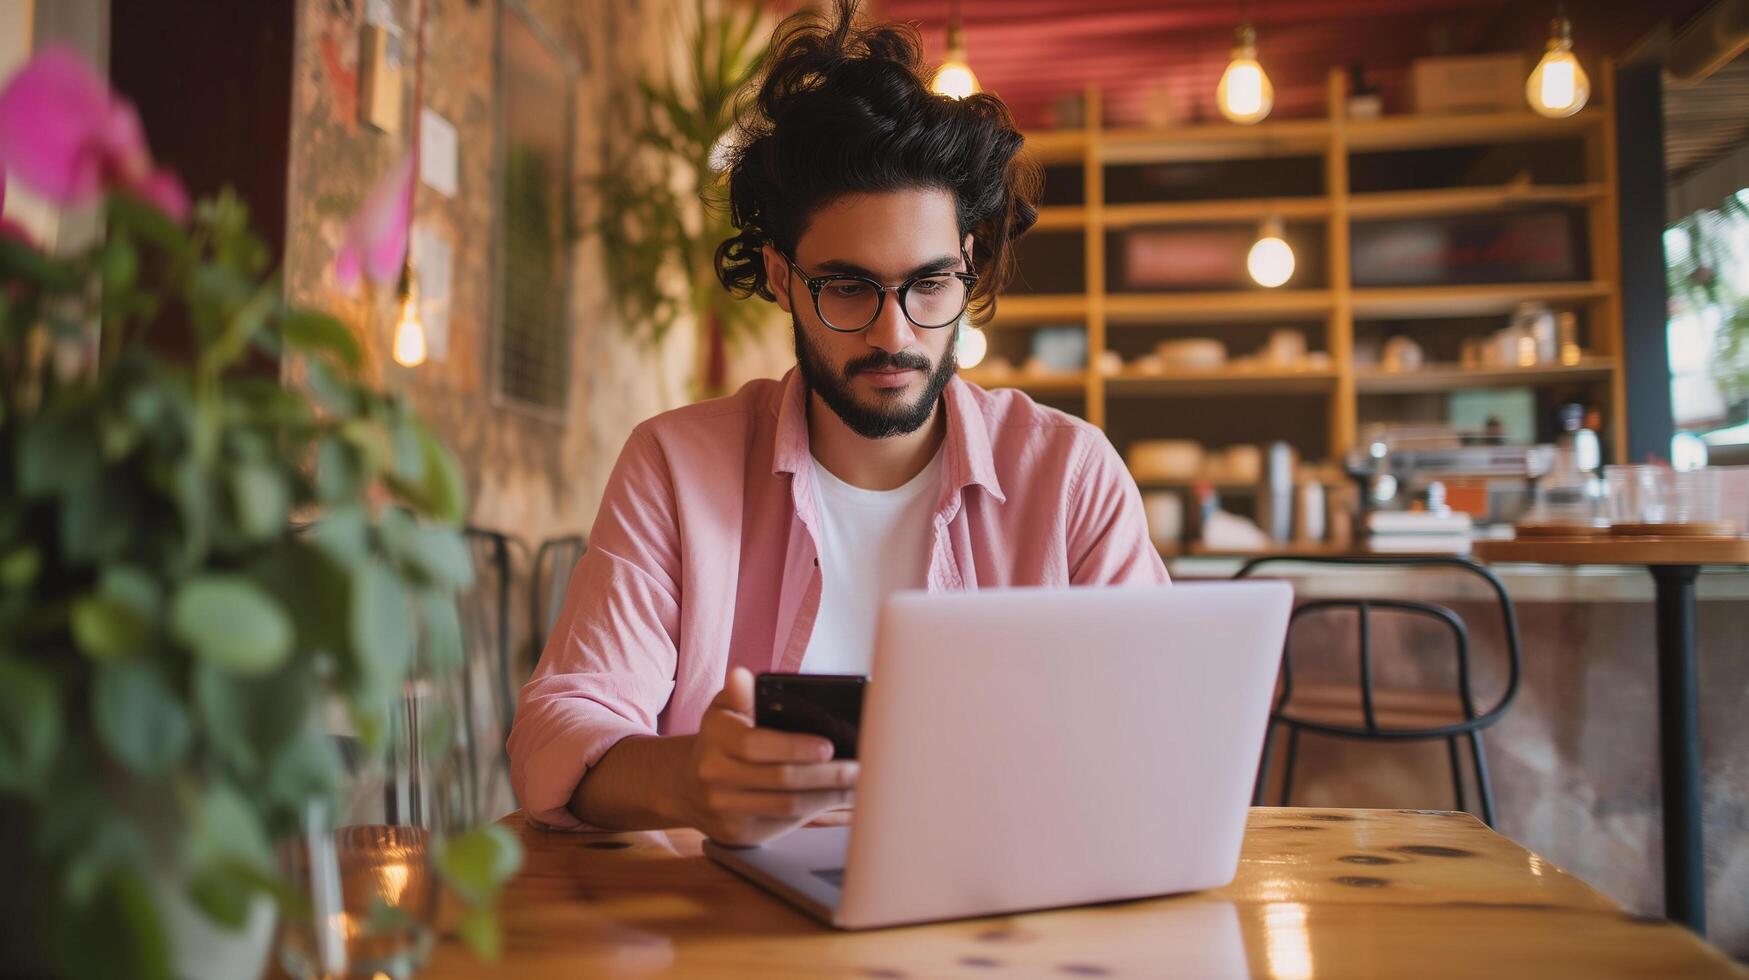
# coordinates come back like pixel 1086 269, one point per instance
pixel 872 543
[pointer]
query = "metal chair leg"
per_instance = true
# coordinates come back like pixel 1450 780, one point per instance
pixel 1482 785
pixel 1457 773
pixel 1263 764
pixel 1287 773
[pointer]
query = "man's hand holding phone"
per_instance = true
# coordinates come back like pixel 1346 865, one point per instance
pixel 749 784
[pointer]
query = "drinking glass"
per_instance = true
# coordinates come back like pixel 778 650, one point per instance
pixel 1642 494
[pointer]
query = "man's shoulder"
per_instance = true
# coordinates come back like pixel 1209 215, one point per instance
pixel 752 403
pixel 1011 415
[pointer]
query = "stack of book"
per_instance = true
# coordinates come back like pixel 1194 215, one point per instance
pixel 1419 531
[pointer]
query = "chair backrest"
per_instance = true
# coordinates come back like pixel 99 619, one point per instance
pixel 485 617
pixel 553 562
pixel 1370 727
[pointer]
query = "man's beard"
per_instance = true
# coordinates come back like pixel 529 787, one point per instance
pixel 892 418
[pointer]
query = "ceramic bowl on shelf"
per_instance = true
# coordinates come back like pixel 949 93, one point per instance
pixel 1191 355
pixel 1148 364
pixel 1166 459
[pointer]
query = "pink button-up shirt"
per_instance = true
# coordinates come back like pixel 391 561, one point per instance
pixel 704 557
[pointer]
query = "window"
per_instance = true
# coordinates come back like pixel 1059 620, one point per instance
pixel 1707 257
pixel 531 331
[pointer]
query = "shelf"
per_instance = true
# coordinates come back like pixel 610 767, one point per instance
pixel 1247 210
pixel 1220 383
pixel 1057 146
pixel 1212 307
pixel 1448 377
pixel 1225 487
pixel 1061 217
pixel 1464 129
pixel 1061 384
pixel 1214 141
pixel 1467 200
pixel 1040 308
pixel 1432 302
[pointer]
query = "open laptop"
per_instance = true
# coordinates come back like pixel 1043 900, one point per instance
pixel 1037 748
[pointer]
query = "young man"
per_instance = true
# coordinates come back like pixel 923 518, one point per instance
pixel 760 532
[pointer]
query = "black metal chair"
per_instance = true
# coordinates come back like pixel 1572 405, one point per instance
pixel 485 619
pixel 1386 715
pixel 553 563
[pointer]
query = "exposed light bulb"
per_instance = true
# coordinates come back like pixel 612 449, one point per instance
pixel 954 78
pixel 971 346
pixel 1558 86
pixel 1245 94
pixel 1271 260
pixel 409 347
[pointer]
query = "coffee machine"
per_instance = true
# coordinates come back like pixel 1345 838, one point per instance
pixel 1399 465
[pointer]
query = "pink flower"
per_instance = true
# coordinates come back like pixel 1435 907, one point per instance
pixel 66 135
pixel 376 240
pixel 163 191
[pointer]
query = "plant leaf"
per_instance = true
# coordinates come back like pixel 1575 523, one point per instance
pixel 440 554
pixel 261 499
pixel 20 567
pixel 108 629
pixel 477 863
pixel 225 828
pixel 139 719
pixel 30 726
pixel 442 625
pixel 479 929
pixel 446 493
pixel 250 720
pixel 56 454
pixel 230 621
pixel 382 629
pixel 312 331
pixel 96 519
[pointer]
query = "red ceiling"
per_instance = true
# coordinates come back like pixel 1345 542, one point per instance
pixel 1032 52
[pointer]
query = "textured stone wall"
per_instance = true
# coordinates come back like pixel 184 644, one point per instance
pixel 532 477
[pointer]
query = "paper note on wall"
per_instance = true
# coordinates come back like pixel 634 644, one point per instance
pixel 438 150
pixel 434 260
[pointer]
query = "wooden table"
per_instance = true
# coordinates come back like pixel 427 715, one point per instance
pixel 1319 893
pixel 1674 563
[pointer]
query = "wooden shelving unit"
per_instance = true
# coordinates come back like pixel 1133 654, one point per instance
pixel 1066 383
pixel 1450 377
pixel 1236 382
pixel 1335 302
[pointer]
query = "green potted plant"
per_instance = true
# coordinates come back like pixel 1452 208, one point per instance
pixel 198 565
pixel 656 210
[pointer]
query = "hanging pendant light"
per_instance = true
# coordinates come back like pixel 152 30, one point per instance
pixel 1245 94
pixel 409 347
pixel 1271 260
pixel 970 346
pixel 1558 86
pixel 954 78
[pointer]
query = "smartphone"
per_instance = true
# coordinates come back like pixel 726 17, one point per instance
pixel 827 705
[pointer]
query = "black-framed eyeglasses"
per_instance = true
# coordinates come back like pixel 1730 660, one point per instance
pixel 849 303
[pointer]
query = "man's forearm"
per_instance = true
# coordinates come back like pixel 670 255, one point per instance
pixel 637 785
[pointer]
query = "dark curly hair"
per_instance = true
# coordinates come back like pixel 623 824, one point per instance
pixel 844 109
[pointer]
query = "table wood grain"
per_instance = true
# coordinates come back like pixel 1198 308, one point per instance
pixel 1319 893
pixel 1616 551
